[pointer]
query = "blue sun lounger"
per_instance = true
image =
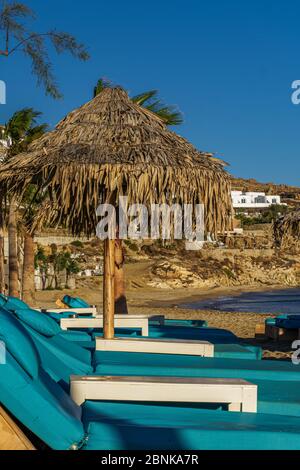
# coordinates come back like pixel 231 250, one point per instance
pixel 284 321
pixel 278 380
pixel 43 407
pixel 77 302
pixel 226 343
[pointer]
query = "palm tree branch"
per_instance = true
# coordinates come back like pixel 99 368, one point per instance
pixel 33 44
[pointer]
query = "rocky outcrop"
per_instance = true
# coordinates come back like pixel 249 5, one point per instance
pixel 219 268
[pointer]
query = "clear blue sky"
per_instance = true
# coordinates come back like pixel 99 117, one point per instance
pixel 227 64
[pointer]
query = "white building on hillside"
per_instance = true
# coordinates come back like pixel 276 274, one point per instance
pixel 253 200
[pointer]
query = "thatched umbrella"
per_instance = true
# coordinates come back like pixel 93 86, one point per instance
pixel 287 229
pixel 111 147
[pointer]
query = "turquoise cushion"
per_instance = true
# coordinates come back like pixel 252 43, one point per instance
pixel 58 316
pixel 276 397
pixel 132 426
pixel 237 351
pixel 38 321
pixel 270 321
pixel 115 363
pixel 273 320
pixel 214 335
pixel 61 358
pixel 75 336
pixel 12 303
pixel 41 406
pixel 294 317
pixel 75 302
pixel 181 322
pixel 289 323
pixel 284 321
pixel 19 343
pixel 3 300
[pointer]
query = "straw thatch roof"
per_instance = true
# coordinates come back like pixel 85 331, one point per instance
pixel 110 147
pixel 287 230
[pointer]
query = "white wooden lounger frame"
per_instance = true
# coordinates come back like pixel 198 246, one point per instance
pixel 240 395
pixel 160 319
pixel 156 346
pixel 121 321
pixel 76 311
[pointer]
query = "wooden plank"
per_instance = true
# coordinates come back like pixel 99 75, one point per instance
pixel 11 436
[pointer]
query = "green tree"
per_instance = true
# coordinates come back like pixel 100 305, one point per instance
pixel 62 261
pixel 15 18
pixel 41 263
pixel 268 216
pixel 274 212
pixel 40 258
pixel 22 129
pixel 71 265
pixel 149 100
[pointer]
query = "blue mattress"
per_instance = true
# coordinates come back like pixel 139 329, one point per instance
pixel 114 363
pixel 226 343
pixel 124 426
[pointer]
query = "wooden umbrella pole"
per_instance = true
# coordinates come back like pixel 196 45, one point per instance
pixel 109 289
pixel 120 294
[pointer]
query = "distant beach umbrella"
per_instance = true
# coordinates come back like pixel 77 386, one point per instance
pixel 287 230
pixel 112 147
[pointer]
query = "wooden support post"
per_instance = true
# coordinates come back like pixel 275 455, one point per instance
pixel 120 295
pixel 13 252
pixel 109 289
pixel 28 287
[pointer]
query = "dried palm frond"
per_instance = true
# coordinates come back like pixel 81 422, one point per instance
pixel 287 230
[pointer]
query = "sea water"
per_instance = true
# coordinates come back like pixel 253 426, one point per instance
pixel 275 301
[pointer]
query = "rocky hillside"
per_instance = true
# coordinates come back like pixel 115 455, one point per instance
pixel 217 268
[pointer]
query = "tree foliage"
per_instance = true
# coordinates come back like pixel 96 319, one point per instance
pixel 18 36
pixel 266 217
pixel 22 129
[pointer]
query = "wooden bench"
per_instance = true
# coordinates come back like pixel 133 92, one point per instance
pixel 240 395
